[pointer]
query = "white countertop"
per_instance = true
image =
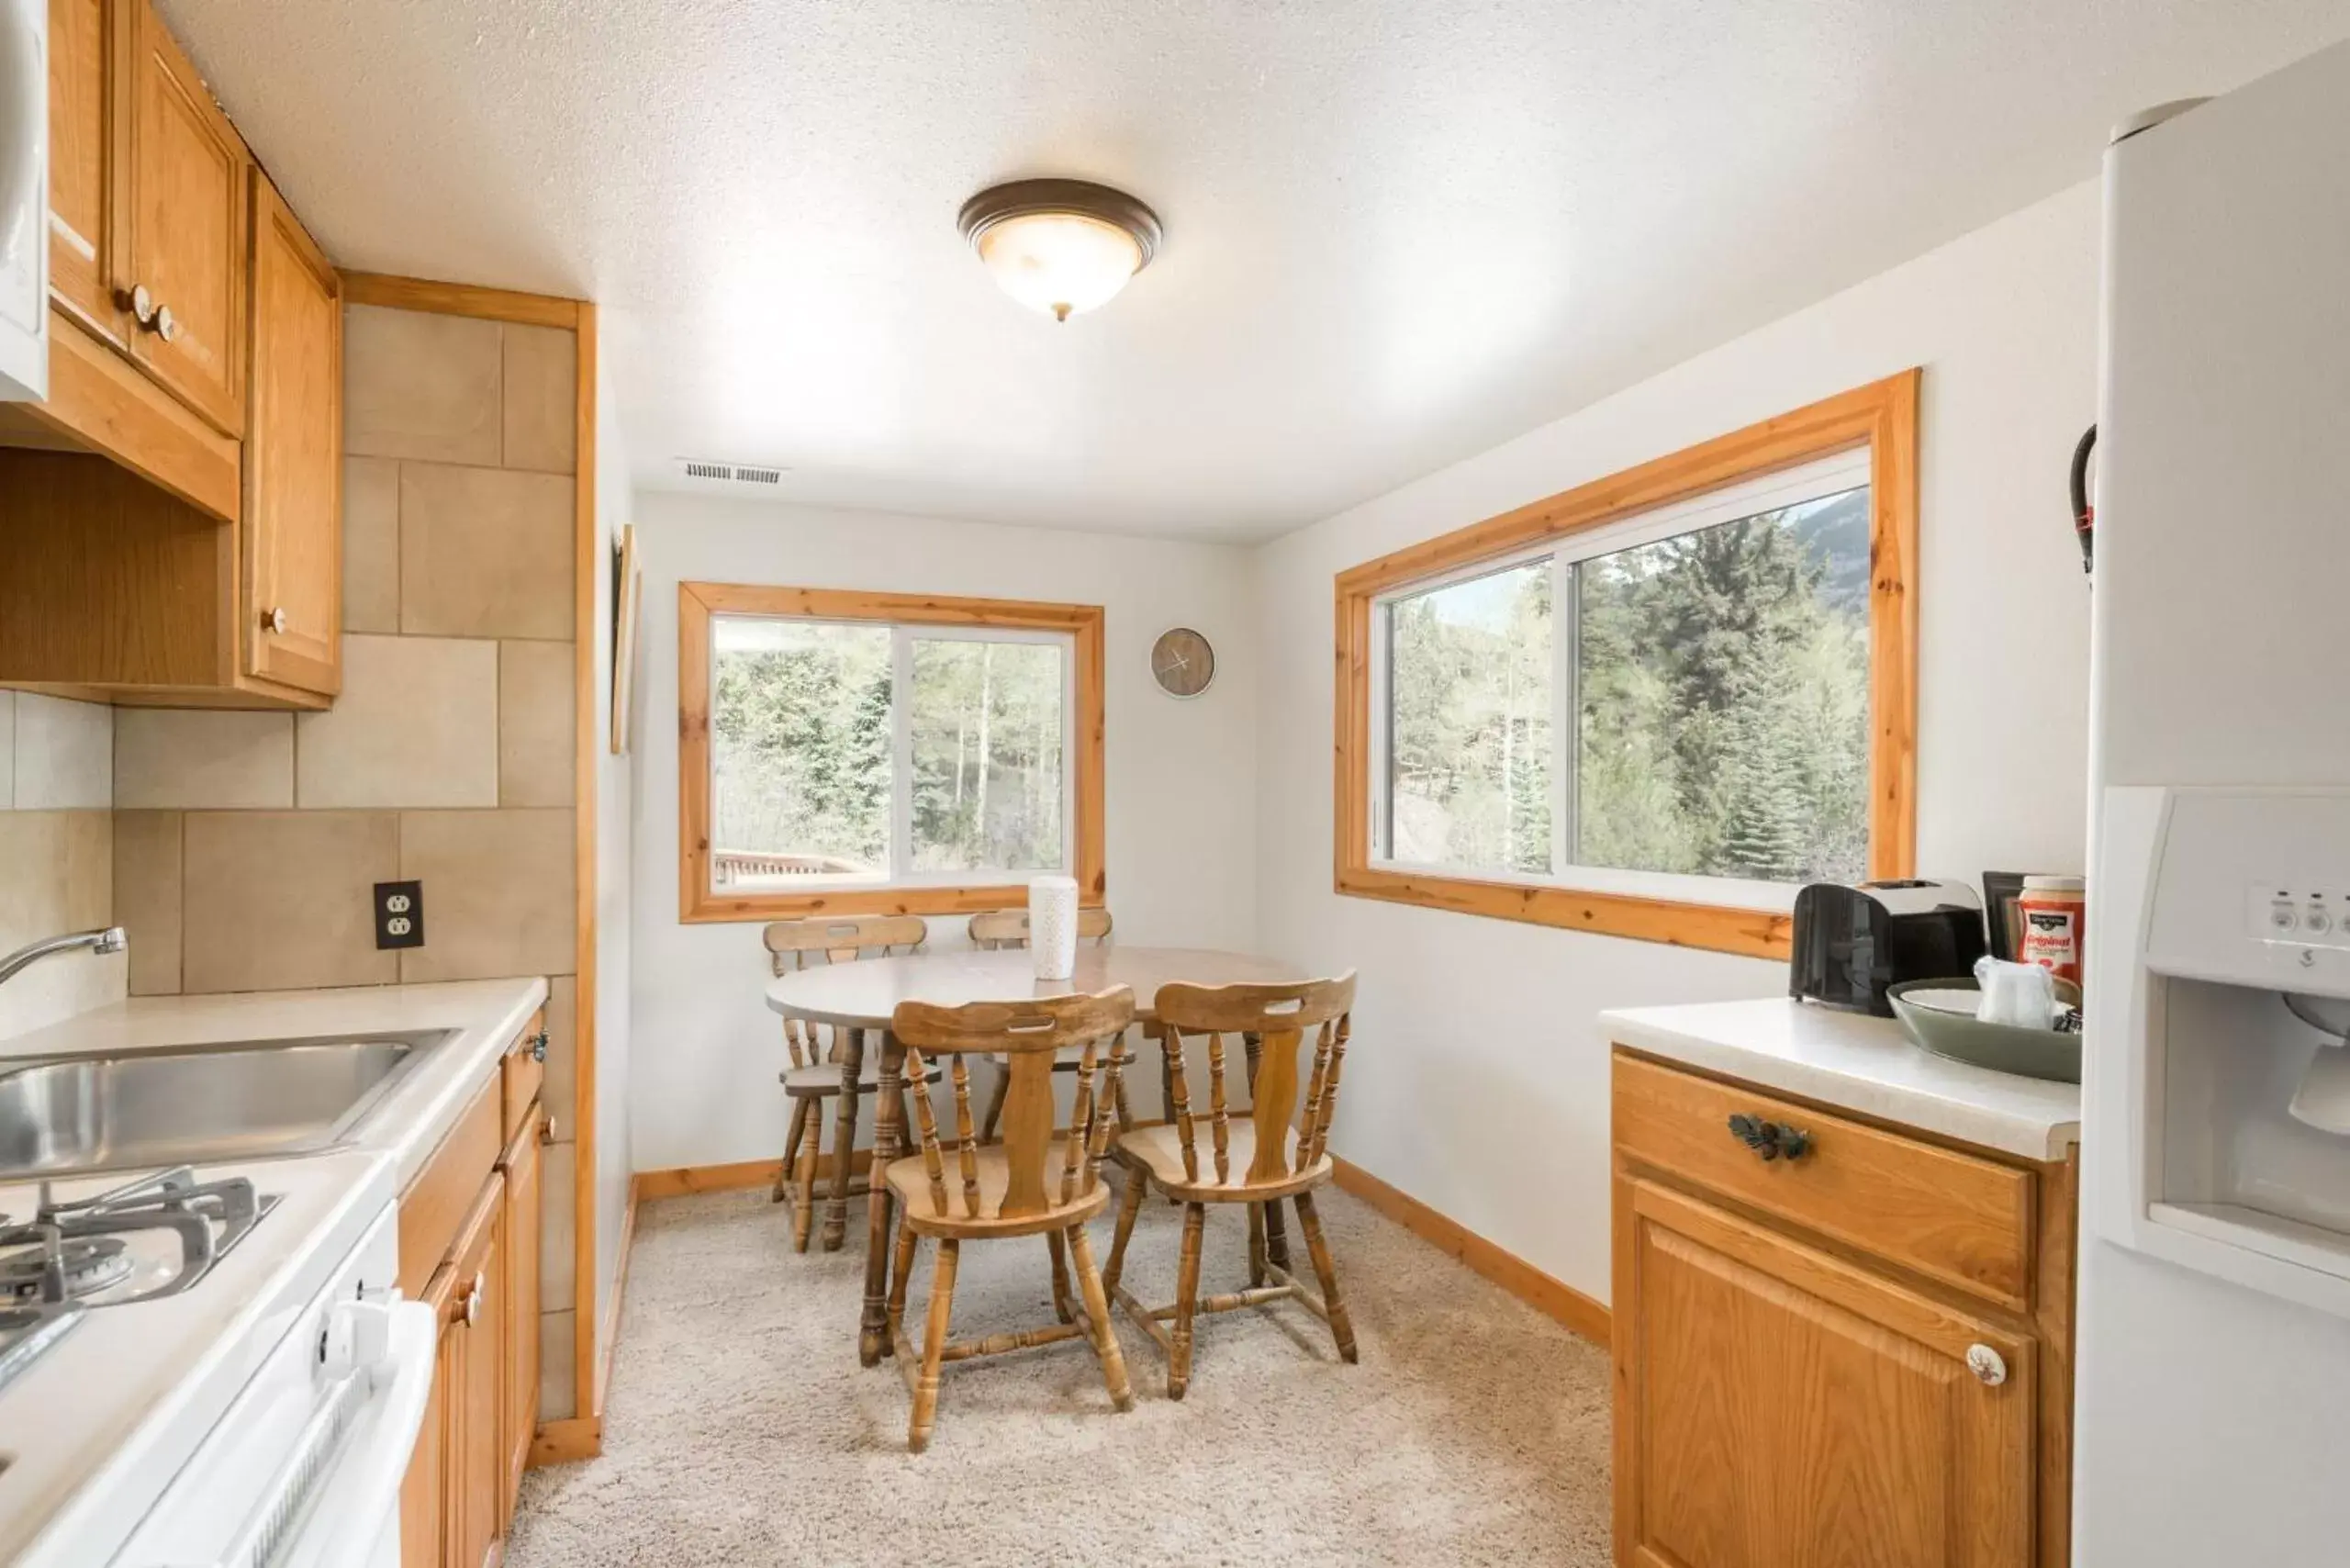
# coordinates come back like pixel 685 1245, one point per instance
pixel 410 1122
pixel 1857 1063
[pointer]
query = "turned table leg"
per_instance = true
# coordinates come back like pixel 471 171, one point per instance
pixel 888 1118
pixel 844 1139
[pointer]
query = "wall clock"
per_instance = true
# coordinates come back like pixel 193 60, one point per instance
pixel 1183 662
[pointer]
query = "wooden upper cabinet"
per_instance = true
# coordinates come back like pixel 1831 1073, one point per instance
pixel 88 147
pixel 185 268
pixel 292 526
pixel 1777 1404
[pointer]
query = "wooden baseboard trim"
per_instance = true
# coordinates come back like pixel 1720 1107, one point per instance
pixel 567 1441
pixel 1551 1297
pixel 684 1180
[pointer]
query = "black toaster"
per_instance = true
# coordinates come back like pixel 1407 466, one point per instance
pixel 1853 942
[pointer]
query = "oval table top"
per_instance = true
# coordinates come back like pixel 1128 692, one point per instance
pixel 862 995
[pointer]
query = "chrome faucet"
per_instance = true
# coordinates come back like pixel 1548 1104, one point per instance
pixel 108 940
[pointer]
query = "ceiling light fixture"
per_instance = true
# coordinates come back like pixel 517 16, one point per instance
pixel 1062 246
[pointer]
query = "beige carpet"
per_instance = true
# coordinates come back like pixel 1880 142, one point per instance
pixel 740 1430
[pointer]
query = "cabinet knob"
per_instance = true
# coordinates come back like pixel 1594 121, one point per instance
pixel 546 1130
pixel 140 303
pixel 167 326
pixel 473 1300
pixel 539 1045
pixel 1991 1368
pixel 277 620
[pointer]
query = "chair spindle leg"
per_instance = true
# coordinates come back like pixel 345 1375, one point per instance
pixel 1341 1330
pixel 1061 1304
pixel 790 1151
pixel 1097 1313
pixel 933 1344
pixel 1187 1298
pixel 1129 1206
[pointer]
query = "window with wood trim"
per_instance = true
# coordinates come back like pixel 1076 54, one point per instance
pixel 856 753
pixel 1652 706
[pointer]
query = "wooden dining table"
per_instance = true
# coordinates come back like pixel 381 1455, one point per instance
pixel 858 999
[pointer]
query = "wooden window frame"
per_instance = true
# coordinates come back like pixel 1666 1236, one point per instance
pixel 697 602
pixel 1881 417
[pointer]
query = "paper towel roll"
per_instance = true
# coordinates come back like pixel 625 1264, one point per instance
pixel 1052 926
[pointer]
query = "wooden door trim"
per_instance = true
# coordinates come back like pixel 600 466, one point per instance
pixel 579 1436
pixel 464 299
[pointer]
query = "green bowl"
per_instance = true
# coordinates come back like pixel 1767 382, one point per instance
pixel 2003 1048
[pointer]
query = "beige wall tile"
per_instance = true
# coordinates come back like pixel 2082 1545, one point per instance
pixel 147 897
pixel 419 385
pixel 558 1379
pixel 197 758
pixel 371 544
pixel 416 725
pixel 56 875
pixel 558 1201
pixel 64 754
pixel 498 893
pixel 485 553
pixel 541 401
pixel 536 709
pixel 274 901
pixel 560 1091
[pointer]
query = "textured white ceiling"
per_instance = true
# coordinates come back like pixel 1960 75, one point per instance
pixel 1398 232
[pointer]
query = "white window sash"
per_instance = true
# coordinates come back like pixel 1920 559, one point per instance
pixel 1769 492
pixel 902 637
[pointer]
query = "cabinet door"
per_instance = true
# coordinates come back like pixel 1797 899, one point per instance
pixel 1778 1406
pixel 187 229
pixel 292 524
pixel 481 1453
pixel 88 141
pixel 424 1515
pixel 523 1164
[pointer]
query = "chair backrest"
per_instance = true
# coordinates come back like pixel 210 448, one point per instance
pixel 796 944
pixel 994 929
pixel 1029 1035
pixel 1273 1021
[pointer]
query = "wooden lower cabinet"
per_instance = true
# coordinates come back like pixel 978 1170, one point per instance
pixel 458 1499
pixel 1784 1397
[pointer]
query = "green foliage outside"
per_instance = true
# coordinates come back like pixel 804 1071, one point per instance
pixel 1722 706
pixel 801 726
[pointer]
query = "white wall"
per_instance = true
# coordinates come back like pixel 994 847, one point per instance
pixel 1181 839
pixel 1478 1083
pixel 614 809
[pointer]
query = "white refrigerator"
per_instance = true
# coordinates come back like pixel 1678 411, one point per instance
pixel 2213 1386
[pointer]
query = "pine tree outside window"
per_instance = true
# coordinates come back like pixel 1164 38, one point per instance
pixel 1652 717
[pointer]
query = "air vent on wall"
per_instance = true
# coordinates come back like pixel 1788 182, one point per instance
pixel 758 474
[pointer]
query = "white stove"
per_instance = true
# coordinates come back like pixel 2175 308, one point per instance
pixel 207 1367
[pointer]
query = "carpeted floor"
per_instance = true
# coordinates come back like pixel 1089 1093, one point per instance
pixel 740 1430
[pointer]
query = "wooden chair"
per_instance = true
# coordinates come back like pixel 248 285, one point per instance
pixel 999 930
pixel 1255 1155
pixel 822 1058
pixel 1035 1181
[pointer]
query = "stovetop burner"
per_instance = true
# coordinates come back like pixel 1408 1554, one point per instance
pixel 155 1236
pixel 82 1266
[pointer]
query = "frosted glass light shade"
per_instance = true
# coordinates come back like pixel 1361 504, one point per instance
pixel 1060 263
pixel 1059 246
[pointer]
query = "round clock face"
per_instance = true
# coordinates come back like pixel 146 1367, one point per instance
pixel 1184 662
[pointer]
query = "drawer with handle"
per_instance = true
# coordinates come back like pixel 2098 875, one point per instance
pixel 1953 1217
pixel 523 1072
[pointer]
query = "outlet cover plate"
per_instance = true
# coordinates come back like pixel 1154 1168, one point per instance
pixel 399 914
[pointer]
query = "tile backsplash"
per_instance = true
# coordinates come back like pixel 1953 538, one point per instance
pixel 56 854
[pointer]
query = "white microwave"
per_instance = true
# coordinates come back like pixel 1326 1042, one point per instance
pixel 24 200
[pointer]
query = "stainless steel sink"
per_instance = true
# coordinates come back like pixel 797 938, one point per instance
pixel 197 1103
